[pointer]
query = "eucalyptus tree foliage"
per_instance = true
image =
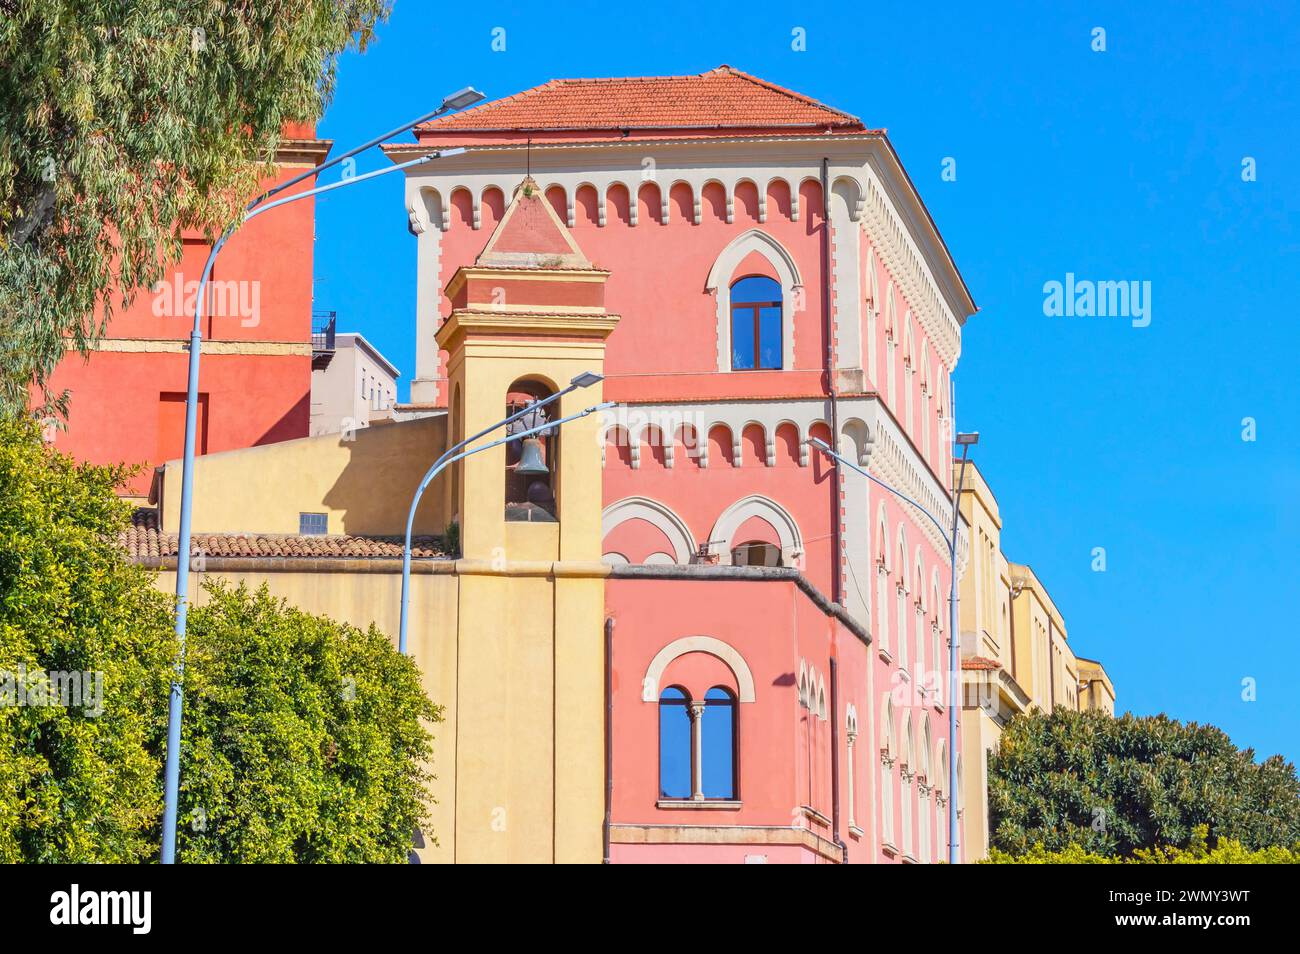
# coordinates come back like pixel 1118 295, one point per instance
pixel 123 121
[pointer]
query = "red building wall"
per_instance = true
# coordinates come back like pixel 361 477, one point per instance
pixel 255 373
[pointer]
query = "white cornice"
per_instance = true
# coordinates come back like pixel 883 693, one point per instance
pixel 887 203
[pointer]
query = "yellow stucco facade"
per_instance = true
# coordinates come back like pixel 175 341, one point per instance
pixel 1015 649
pixel 509 636
pixel 363 480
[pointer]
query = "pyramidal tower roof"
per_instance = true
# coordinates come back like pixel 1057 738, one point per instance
pixel 531 235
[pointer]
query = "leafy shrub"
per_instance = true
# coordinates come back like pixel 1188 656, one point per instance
pixel 76 784
pixel 304 739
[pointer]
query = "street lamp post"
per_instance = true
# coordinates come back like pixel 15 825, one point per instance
pixel 584 380
pixel 965 441
pixel 263 203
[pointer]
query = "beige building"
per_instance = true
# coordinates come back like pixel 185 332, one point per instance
pixel 351 385
pixel 1015 649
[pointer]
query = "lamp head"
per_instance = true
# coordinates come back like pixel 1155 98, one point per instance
pixel 462 98
pixel 820 444
pixel 970 439
pixel 586 379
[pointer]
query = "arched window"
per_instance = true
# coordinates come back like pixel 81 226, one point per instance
pixel 907 794
pixel 755 324
pixel 923 807
pixel 936 642
pixel 900 605
pixel 888 752
pixel 882 583
pixel 697 745
pixel 851 737
pixel 718 744
pixel 531 462
pixel 674 744
pixel 918 605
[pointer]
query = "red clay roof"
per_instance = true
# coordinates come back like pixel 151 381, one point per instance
pixel 980 663
pixel 720 98
pixel 142 540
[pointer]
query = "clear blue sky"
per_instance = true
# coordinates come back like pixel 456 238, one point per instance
pixel 1117 165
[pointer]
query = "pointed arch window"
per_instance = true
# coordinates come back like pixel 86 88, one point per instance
pixel 755 324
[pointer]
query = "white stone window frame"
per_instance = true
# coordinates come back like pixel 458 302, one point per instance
pixel 724 273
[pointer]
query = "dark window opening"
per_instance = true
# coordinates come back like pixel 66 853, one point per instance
pixel 756 553
pixel 531 461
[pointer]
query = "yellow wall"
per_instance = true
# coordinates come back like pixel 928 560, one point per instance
pixel 364 480
pixel 984 595
pixel 500 763
pixel 515 663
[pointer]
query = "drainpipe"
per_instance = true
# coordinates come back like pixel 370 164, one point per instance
pixel 835 761
pixel 609 739
pixel 837 596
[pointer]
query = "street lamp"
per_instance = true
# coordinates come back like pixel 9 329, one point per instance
pixel 176 702
pixel 965 442
pixel 584 380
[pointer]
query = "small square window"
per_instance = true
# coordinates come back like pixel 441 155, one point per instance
pixel 313 523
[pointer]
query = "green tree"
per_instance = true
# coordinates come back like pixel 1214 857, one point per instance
pixel 78 782
pixel 119 121
pixel 305 739
pixel 1114 786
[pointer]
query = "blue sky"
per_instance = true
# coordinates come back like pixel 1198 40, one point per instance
pixel 1116 165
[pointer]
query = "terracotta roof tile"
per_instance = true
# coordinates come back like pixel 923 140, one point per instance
pixel 142 540
pixel 720 98
pixel 980 664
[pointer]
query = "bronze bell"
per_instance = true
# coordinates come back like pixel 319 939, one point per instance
pixel 530 460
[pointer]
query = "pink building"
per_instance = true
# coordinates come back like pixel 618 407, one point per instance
pixel 778 629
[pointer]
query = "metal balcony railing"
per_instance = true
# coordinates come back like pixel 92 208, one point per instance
pixel 322 330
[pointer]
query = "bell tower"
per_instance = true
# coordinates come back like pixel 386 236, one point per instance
pixel 528 317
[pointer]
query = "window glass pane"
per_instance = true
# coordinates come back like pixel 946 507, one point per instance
pixel 756 288
pixel 769 323
pixel 674 745
pixel 313 523
pixel 718 744
pixel 742 339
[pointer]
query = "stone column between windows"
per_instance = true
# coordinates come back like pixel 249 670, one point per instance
pixel 697 750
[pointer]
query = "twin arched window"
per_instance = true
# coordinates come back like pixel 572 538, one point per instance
pixel 755 324
pixel 697 745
